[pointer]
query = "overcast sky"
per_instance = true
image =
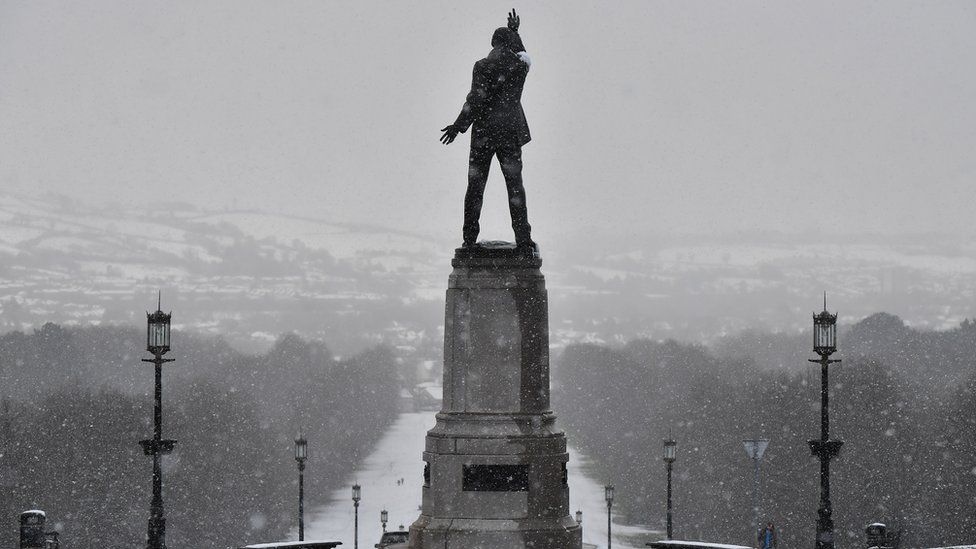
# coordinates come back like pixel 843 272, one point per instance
pixel 701 117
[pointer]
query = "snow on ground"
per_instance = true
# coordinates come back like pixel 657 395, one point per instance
pixel 398 455
pixel 586 494
pixel 751 255
pixel 341 241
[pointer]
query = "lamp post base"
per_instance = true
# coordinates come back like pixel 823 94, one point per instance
pixel 157 533
pixel 825 538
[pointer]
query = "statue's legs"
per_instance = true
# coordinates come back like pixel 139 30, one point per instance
pixel 478 164
pixel 510 158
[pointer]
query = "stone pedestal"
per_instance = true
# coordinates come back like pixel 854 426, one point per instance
pixel 495 466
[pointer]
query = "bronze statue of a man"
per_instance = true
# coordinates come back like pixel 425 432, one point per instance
pixel 494 109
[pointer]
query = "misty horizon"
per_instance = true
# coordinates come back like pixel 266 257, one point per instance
pixel 251 276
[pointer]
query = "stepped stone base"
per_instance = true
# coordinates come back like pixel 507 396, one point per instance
pixel 495 474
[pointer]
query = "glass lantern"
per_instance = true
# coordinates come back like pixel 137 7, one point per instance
pixel 670 446
pixel 158 332
pixel 824 332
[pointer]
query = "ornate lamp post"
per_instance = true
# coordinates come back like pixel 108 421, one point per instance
pixel 157 343
pixel 301 454
pixel 384 516
pixel 669 450
pixel 608 495
pixel 579 517
pixel 356 496
pixel 824 344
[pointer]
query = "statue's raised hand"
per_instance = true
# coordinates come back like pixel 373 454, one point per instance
pixel 513 20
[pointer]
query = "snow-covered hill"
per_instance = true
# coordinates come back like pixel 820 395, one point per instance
pixel 246 275
pixel 251 275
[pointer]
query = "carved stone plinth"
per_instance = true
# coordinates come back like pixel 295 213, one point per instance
pixel 495 473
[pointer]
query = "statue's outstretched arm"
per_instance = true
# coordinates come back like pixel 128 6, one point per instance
pixel 472 106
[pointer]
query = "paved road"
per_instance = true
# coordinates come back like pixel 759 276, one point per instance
pixel 398 456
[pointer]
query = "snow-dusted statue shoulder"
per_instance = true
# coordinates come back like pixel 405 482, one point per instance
pixel 493 109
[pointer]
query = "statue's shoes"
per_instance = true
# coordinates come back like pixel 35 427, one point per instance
pixel 530 249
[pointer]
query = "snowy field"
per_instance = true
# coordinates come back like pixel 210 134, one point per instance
pixel 398 456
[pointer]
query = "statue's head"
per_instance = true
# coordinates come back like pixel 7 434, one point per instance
pixel 504 37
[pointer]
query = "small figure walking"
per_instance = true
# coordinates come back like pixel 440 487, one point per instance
pixel 767 537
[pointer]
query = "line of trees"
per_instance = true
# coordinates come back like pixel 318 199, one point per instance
pixel 75 402
pixel 903 401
